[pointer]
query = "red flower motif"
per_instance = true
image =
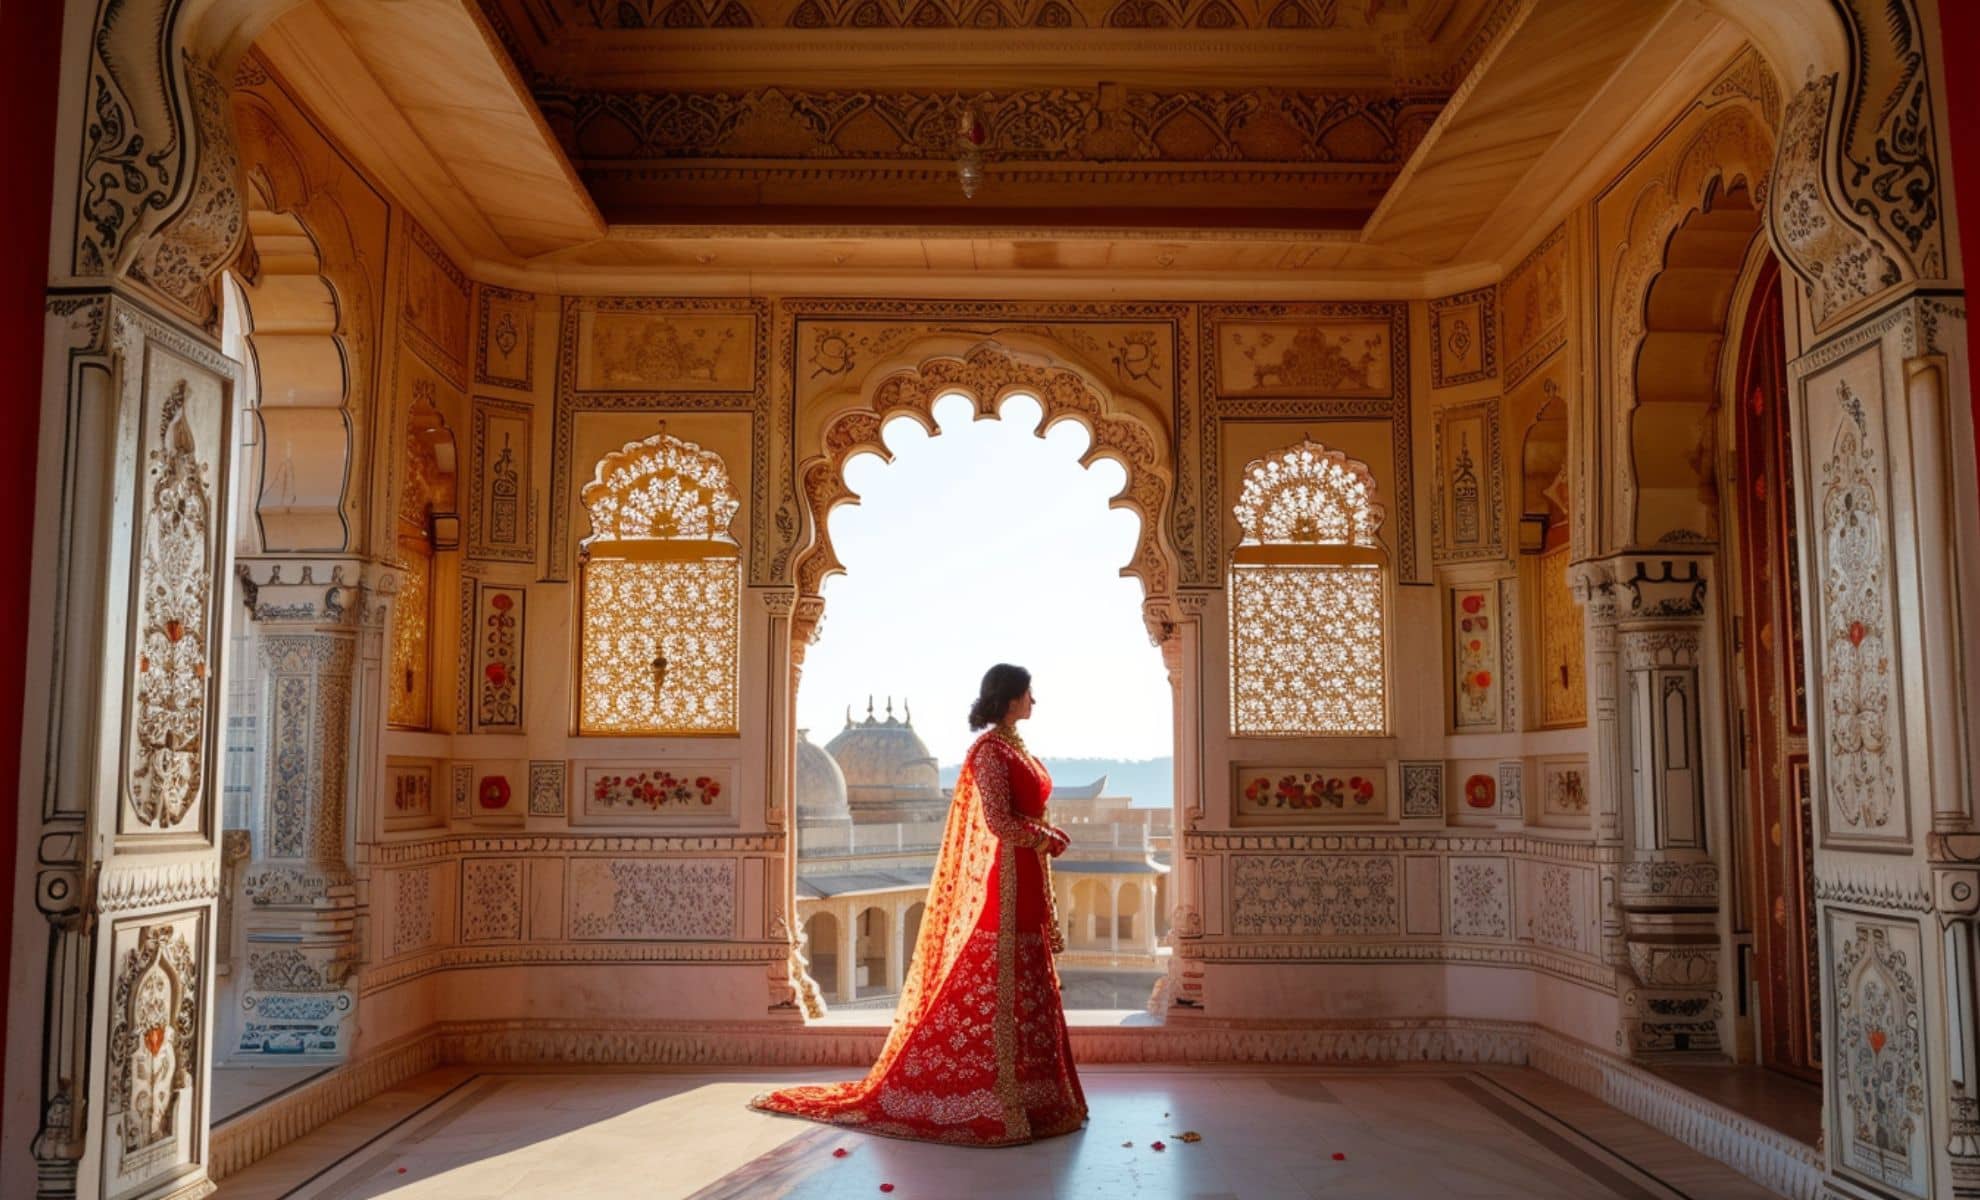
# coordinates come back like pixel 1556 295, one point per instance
pixel 1483 679
pixel 1472 603
pixel 495 791
pixel 1877 1039
pixel 498 674
pixel 501 602
pixel 1857 633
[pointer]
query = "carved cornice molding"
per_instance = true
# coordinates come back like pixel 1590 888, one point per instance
pixel 1588 970
pixel 832 134
pixel 1522 844
pixel 1676 590
pixel 398 854
pixel 316 592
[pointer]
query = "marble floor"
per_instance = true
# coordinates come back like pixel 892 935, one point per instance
pixel 1450 1133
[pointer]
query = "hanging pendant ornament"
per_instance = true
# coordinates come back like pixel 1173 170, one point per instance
pixel 969 152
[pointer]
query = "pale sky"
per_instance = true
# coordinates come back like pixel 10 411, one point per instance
pixel 979 546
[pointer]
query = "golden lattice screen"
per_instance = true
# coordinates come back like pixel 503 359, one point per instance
pixel 660 594
pixel 1308 598
pixel 641 614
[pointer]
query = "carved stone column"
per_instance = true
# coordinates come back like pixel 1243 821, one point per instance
pixel 1177 625
pixel 898 947
pixel 848 972
pixel 1114 918
pixel 1668 889
pixel 302 916
pixel 793 629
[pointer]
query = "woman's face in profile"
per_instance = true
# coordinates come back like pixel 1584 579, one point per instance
pixel 1021 707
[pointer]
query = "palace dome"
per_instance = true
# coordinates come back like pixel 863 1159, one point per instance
pixel 883 753
pixel 821 786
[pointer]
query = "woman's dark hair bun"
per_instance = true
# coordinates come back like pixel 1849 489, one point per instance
pixel 1002 684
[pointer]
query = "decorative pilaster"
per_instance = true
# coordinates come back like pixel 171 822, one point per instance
pixel 302 917
pixel 793 628
pixel 1594 589
pixel 1956 895
pixel 898 947
pixel 1177 625
pixel 1668 891
pixel 848 964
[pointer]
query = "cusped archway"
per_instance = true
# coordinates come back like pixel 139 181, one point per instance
pixel 1685 243
pixel 987 373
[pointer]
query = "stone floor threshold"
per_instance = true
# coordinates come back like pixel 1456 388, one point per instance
pixel 1763 1150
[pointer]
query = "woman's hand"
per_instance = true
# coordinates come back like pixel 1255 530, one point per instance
pixel 1057 841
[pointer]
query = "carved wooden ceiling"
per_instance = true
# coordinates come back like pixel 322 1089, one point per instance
pixel 1127 114
pixel 1159 148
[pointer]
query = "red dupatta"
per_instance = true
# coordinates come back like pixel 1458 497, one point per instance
pixel 978 1052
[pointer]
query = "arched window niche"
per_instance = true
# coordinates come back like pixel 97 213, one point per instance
pixel 1309 599
pixel 660 584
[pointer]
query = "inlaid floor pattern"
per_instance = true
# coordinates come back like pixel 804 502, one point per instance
pixel 1445 1133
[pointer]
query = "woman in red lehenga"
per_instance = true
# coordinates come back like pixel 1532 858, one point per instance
pixel 978 1055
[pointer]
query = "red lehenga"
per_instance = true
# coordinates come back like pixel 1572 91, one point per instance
pixel 978 1054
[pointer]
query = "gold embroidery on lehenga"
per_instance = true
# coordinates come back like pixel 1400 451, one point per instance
pixel 978 1053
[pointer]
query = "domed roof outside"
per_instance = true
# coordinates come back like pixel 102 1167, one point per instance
pixel 821 786
pixel 885 753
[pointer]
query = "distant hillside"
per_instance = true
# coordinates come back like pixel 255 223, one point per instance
pixel 1149 781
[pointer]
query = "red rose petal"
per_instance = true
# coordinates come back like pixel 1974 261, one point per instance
pixel 1156 1146
pixel 839 1153
pixel 402 1170
pixel 1339 1157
